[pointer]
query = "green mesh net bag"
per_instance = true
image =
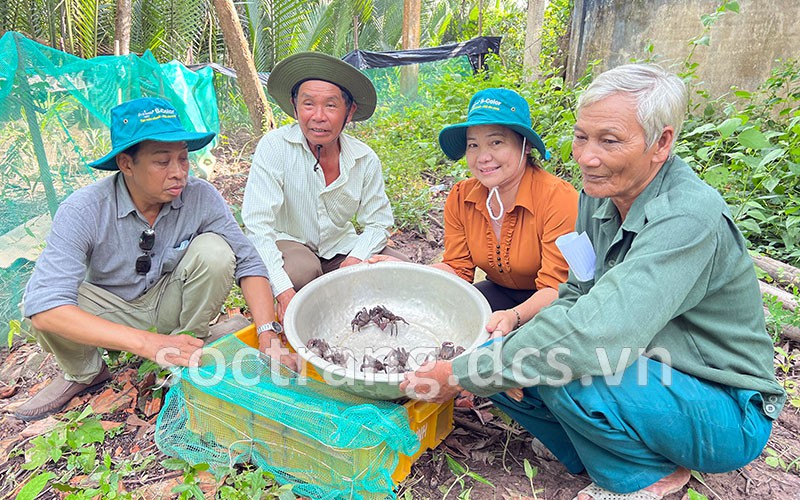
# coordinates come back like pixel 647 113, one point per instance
pixel 238 407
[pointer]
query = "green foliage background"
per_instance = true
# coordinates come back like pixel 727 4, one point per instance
pixel 746 143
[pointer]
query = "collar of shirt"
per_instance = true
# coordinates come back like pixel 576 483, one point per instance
pixel 524 193
pixel 351 149
pixel 125 203
pixel 636 218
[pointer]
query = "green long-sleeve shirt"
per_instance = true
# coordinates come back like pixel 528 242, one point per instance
pixel 673 282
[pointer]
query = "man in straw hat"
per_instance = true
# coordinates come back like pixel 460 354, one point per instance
pixel 309 179
pixel 146 251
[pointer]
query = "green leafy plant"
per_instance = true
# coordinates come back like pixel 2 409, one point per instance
pixel 531 472
pixel 190 487
pixel 248 483
pixel 749 150
pixel 235 300
pixel 694 495
pixel 555 37
pixel 776 460
pixel 14 328
pixel 106 480
pixel 73 440
pixel 461 472
pixel 779 316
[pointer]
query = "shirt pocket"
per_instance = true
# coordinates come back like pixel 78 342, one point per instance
pixel 174 254
pixel 341 206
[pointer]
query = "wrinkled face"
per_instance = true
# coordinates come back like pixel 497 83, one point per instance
pixel 493 155
pixel 321 111
pixel 609 146
pixel 157 173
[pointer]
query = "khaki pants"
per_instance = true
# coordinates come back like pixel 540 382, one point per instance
pixel 303 265
pixel 184 300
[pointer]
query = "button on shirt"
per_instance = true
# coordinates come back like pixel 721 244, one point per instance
pixel 95 238
pixel 286 199
pixel 673 279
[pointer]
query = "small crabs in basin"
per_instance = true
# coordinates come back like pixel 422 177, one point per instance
pixel 372 365
pixel 396 361
pixel 325 351
pixel 378 315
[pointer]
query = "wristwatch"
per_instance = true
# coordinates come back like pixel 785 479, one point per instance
pixel 273 326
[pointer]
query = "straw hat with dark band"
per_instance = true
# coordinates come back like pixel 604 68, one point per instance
pixel 317 66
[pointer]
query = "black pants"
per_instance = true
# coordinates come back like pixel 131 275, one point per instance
pixel 500 297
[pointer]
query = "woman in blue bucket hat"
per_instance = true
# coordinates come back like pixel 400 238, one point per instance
pixel 506 218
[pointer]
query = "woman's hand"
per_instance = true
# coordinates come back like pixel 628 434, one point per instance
pixel 501 322
pixel 350 261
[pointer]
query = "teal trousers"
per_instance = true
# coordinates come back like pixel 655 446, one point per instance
pixel 630 431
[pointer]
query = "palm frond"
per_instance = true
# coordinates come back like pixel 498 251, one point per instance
pixel 287 24
pixel 13 15
pixel 84 17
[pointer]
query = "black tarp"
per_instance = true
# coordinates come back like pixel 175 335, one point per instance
pixel 475 50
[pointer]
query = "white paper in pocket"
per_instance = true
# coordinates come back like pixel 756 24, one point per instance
pixel 579 254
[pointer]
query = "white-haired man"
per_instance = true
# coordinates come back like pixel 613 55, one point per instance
pixel 660 363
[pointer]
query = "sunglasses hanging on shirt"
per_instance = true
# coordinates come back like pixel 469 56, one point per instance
pixel 146 242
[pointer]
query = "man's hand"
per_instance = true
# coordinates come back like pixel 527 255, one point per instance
pixel 172 350
pixel 283 299
pixel 350 261
pixel 272 347
pixel 382 258
pixel 433 381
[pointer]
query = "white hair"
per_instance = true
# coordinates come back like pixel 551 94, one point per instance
pixel 661 97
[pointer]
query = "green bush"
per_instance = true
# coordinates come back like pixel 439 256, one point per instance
pixel 405 136
pixel 748 148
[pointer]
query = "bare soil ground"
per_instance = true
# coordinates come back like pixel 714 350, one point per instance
pixel 481 442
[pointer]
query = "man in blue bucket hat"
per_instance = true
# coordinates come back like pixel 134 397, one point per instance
pixel 149 250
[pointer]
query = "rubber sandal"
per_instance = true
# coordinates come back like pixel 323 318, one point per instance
pixel 598 493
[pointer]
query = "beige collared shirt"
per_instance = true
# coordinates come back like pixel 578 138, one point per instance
pixel 286 199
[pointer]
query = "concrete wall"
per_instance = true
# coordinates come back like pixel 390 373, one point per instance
pixel 742 50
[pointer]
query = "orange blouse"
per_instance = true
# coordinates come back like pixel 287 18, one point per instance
pixel 526 257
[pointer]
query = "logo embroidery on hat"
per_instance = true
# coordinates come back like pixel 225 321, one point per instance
pixel 156 114
pixel 486 103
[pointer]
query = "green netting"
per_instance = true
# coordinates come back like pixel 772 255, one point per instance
pixel 387 80
pixel 325 442
pixel 54 113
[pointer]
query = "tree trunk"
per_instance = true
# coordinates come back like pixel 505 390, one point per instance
pixel 786 298
pixel 787 331
pixel 242 60
pixel 122 26
pixel 533 40
pixel 409 74
pixel 783 274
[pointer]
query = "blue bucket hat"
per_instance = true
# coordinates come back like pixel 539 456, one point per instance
pixel 147 119
pixel 492 107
